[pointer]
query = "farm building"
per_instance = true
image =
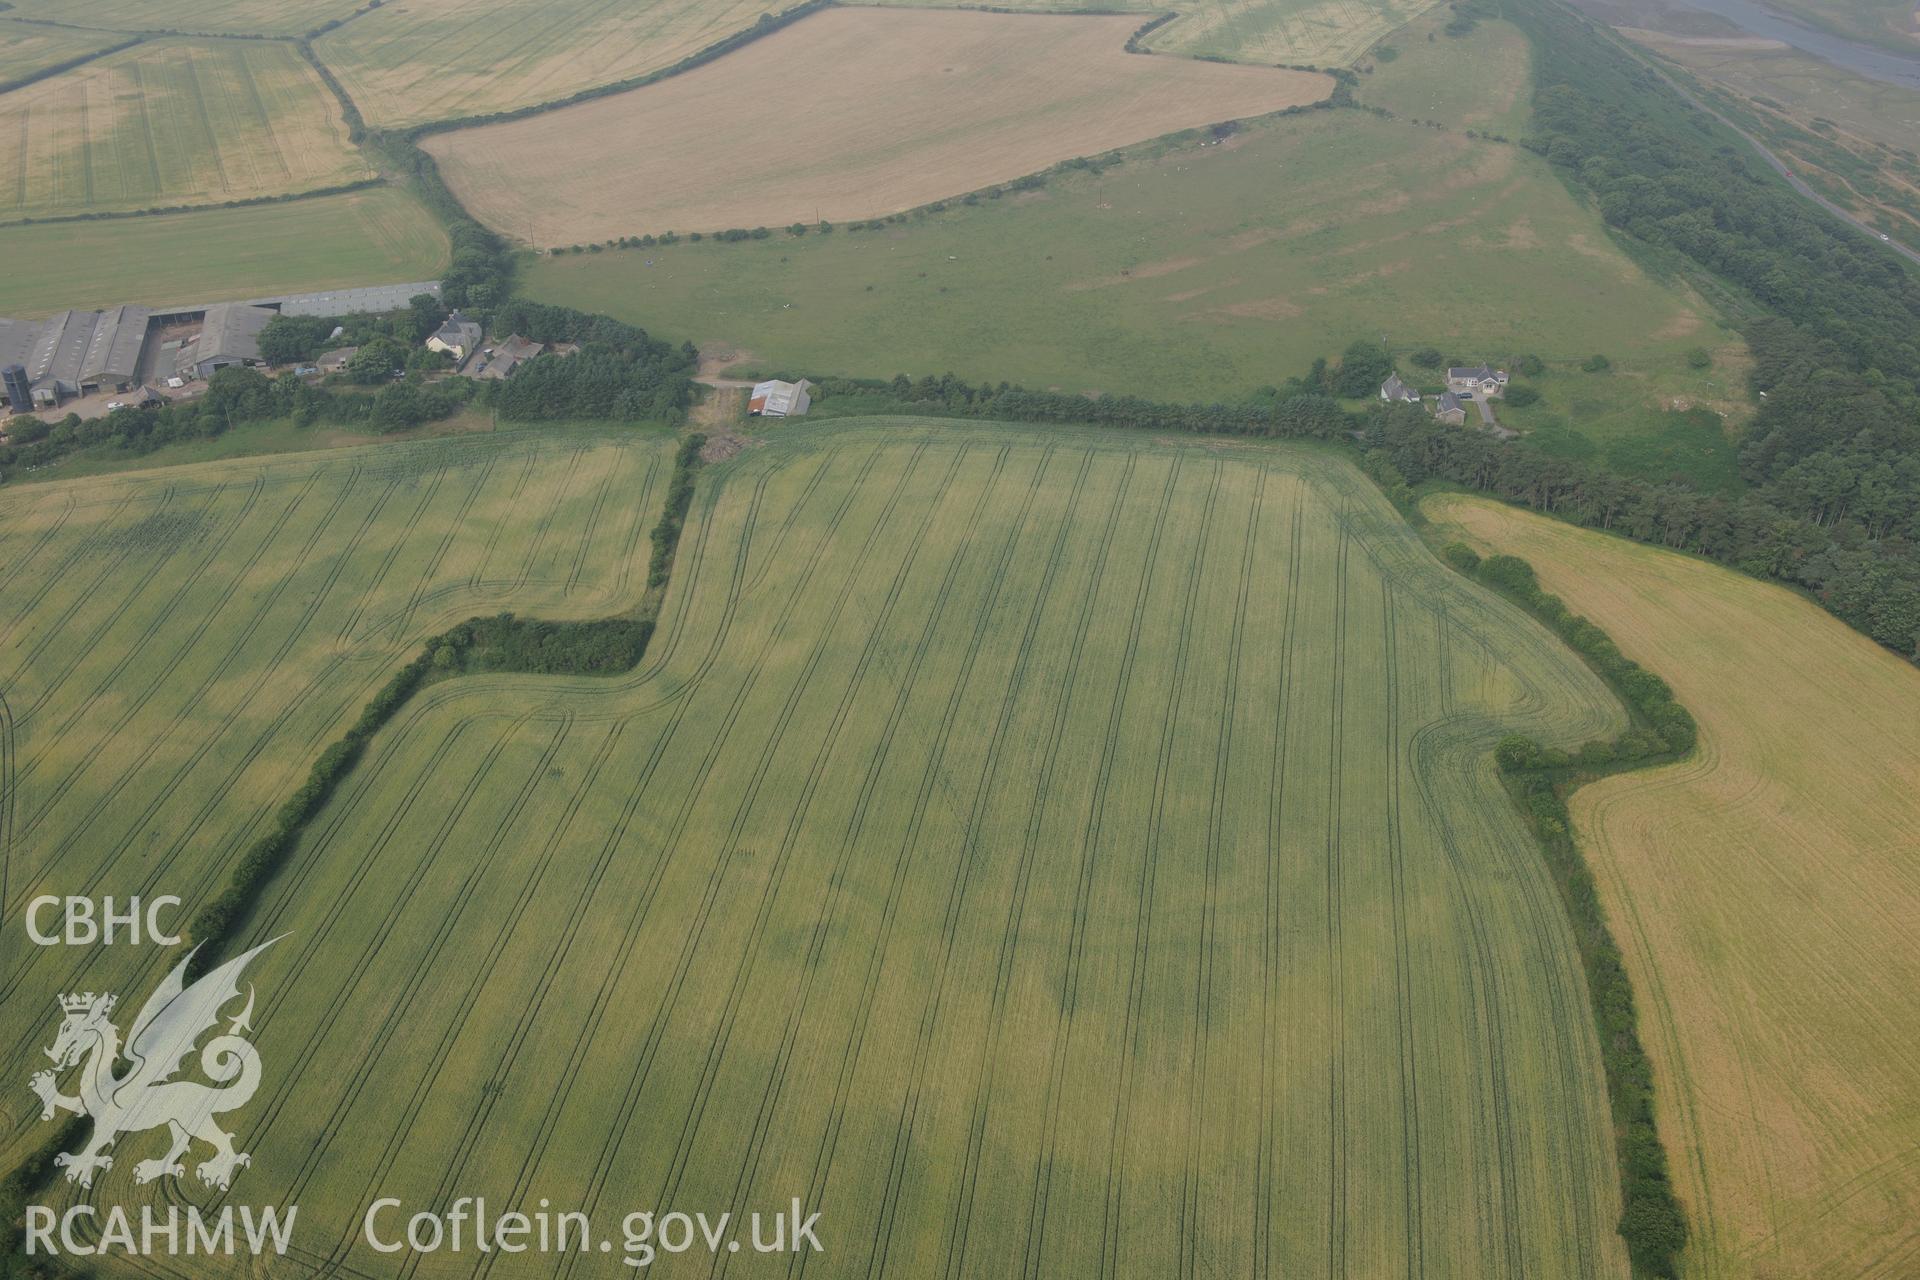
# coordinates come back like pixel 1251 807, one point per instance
pixel 336 360
pixel 1397 392
pixel 1449 410
pixel 459 337
pixel 79 353
pixel 364 300
pixel 1484 380
pixel 229 335
pixel 506 357
pixel 776 399
pixel 76 352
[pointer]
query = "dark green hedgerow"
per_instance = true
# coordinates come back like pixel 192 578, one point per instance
pixel 1651 1219
pixel 26 1180
pixel 60 68
pixel 502 643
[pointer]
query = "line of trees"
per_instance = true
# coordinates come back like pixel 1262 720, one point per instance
pixel 1833 453
pixel 1859 562
pixel 1652 1221
pixel 620 371
pixel 499 643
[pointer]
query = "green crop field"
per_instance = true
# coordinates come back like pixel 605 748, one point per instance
pixel 27 47
pixel 172 122
pixel 362 237
pixel 1045 854
pixel 1199 272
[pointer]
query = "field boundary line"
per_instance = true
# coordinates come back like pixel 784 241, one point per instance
pixel 1538 780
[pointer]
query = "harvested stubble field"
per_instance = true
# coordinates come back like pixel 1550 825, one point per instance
pixel 172 122
pixel 849 113
pixel 1765 897
pixel 382 233
pixel 27 47
pixel 426 60
pixel 1042 854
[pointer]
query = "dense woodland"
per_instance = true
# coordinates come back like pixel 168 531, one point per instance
pixel 1833 454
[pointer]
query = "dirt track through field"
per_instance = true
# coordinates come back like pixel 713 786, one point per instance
pixel 848 114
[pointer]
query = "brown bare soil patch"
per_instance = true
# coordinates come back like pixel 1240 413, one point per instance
pixel 848 114
pixel 1256 309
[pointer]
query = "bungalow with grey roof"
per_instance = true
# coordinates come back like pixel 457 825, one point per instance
pixel 1449 410
pixel 1484 380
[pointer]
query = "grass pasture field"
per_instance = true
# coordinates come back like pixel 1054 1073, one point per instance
pixel 424 60
pixel 218 17
pixel 28 47
pixel 1481 81
pixel 875 111
pixel 172 122
pixel 1320 33
pixel 1764 895
pixel 1043 854
pixel 1850 137
pixel 379 234
pixel 1193 272
pixel 1804 86
pixel 1890 24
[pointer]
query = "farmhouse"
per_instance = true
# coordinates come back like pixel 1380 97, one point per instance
pixel 1395 391
pixel 458 337
pixel 229 335
pixel 776 399
pixel 1484 380
pixel 1449 410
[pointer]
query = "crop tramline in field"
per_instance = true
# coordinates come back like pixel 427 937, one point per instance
pixel 180 646
pixel 1761 894
pixel 439 59
pixel 28 48
pixel 1041 854
pixel 172 122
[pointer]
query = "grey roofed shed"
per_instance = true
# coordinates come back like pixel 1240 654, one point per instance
pixel 16 341
pixel 113 352
pixel 59 352
pixel 229 335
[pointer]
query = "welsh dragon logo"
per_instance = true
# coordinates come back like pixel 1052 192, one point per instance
pixel 157 1045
